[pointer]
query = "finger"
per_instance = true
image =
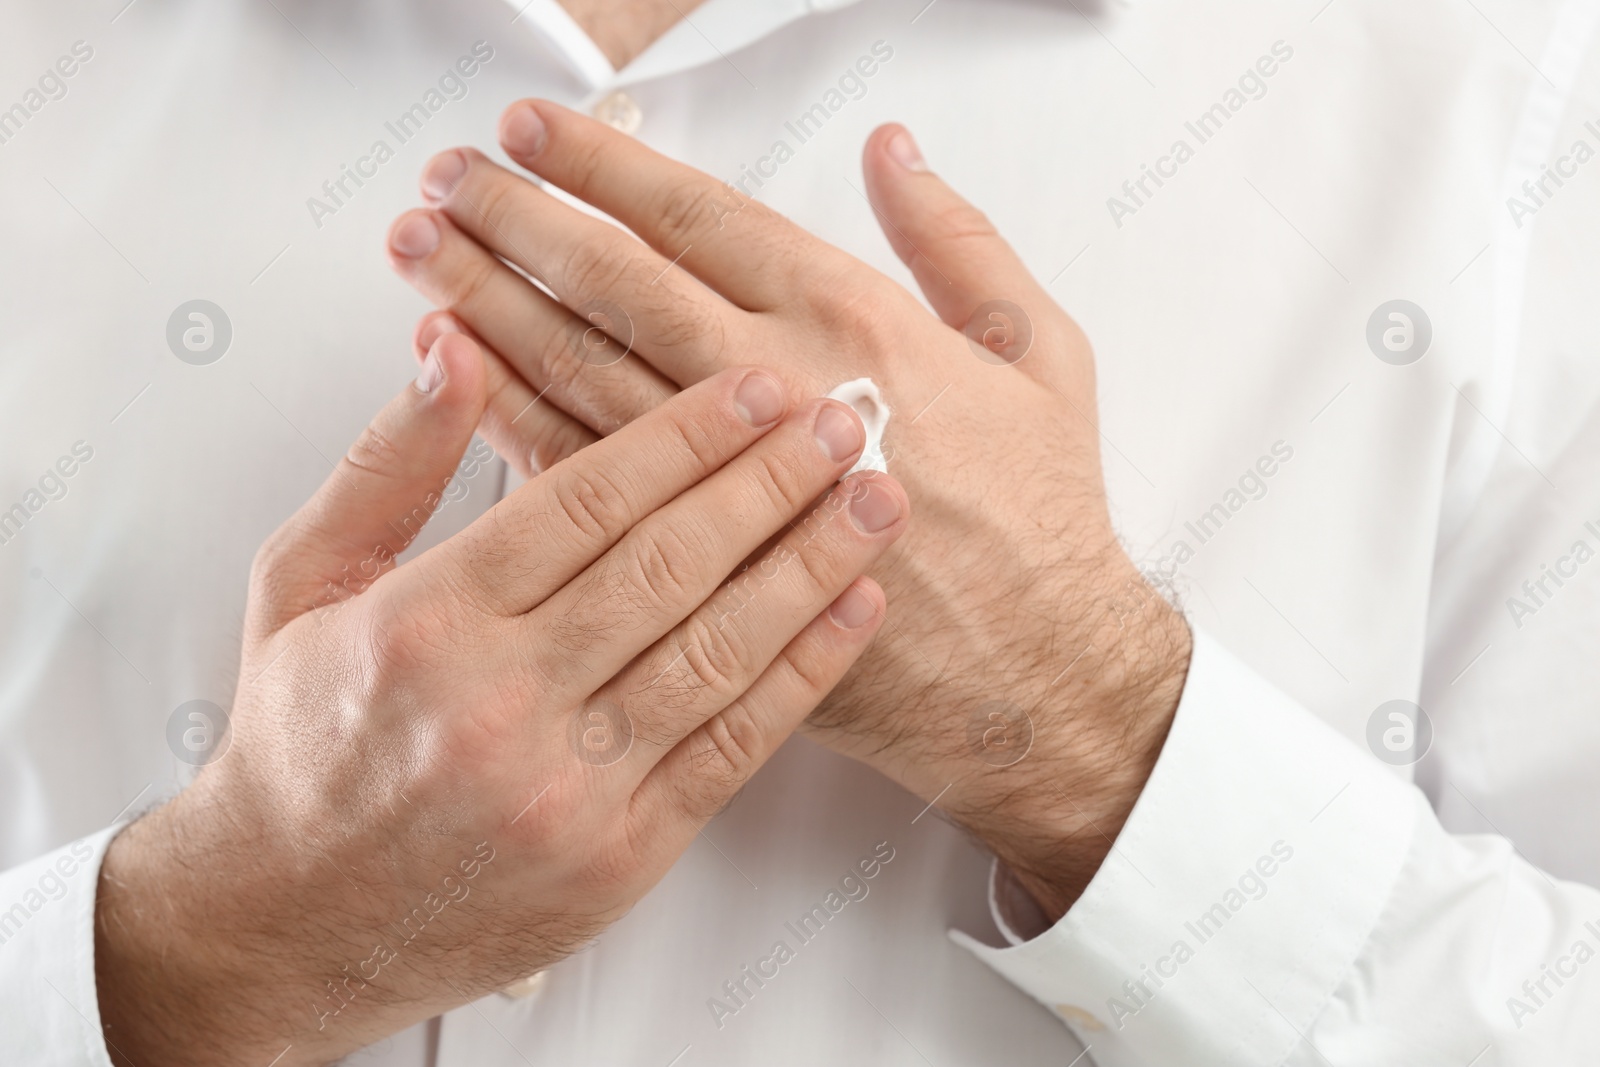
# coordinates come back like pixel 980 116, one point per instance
pixel 669 564
pixel 434 325
pixel 714 655
pixel 702 773
pixel 589 265
pixel 965 268
pixel 380 495
pixel 531 433
pixel 540 537
pixel 716 231
pixel 582 370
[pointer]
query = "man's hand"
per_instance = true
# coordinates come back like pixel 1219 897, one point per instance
pixel 447 775
pixel 1032 676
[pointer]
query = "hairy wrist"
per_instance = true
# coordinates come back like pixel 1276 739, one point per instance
pixel 188 968
pixel 160 956
pixel 1096 735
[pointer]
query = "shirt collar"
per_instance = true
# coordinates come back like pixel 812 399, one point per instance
pixel 711 32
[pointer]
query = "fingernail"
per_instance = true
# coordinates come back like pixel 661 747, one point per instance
pixel 873 508
pixel 432 375
pixel 436 328
pixel 442 174
pixel 839 432
pixel 852 609
pixel 416 237
pixel 522 130
pixel 759 399
pixel 903 150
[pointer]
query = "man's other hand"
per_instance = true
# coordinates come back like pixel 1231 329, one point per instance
pixel 446 775
pixel 1032 674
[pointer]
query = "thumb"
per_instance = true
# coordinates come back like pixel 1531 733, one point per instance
pixel 970 275
pixel 381 494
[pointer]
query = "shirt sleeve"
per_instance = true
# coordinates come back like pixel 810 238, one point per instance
pixel 1278 896
pixel 49 1010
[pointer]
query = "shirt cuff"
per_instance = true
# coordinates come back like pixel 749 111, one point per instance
pixel 49 1009
pixel 1238 895
pixel 1016 914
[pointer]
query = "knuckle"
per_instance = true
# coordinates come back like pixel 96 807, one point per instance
pixel 612 869
pixel 401 642
pixel 374 452
pixel 685 210
pixel 724 755
pixel 273 583
pixel 737 740
pixel 866 315
pixel 559 356
pixel 682 432
pixel 595 267
pixel 678 322
pixel 270 558
pixel 471 282
pixel 502 393
pixel 783 479
pixel 498 195
pixel 638 834
pixel 809 674
pixel 457 582
pixel 718 662
pixel 812 566
pixel 500 556
pixel 660 566
pixel 960 222
pixel 594 505
pixel 701 796
pixel 602 608
pixel 588 163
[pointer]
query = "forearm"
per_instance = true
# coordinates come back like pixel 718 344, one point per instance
pixel 1100 724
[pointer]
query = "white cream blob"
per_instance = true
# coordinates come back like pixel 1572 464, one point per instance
pixel 863 395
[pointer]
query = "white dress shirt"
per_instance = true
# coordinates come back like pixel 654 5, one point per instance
pixel 1227 196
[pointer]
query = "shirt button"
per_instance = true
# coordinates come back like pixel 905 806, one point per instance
pixel 619 111
pixel 527 987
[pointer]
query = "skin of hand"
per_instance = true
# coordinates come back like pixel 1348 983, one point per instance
pixel 446 775
pixel 1031 675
